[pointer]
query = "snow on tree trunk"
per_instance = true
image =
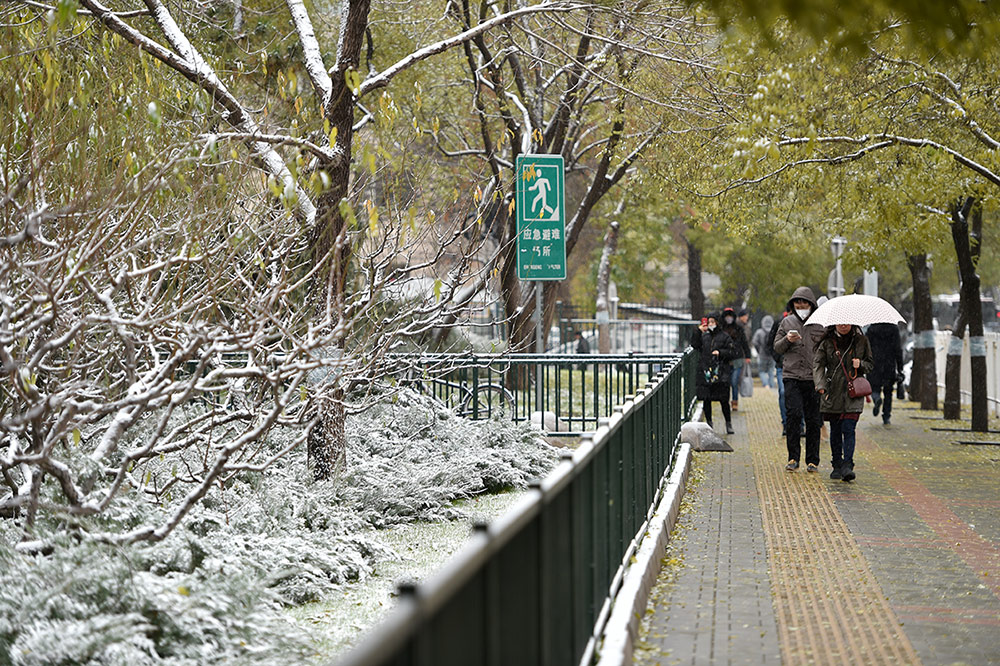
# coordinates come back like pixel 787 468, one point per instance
pixel 967 248
pixel 603 280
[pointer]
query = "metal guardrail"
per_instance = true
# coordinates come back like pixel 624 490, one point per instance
pixel 535 587
pixel 567 394
pixel 629 335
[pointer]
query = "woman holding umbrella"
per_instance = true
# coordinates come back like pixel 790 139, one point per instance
pixel 842 355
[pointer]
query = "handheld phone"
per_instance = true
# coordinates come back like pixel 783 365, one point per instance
pixel 704 321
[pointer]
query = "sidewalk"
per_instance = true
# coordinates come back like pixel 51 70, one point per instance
pixel 901 566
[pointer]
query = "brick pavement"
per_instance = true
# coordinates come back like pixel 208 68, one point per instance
pixel 901 566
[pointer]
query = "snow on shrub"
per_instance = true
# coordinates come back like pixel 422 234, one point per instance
pixel 214 590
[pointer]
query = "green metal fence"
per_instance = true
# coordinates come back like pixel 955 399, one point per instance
pixel 535 587
pixel 573 392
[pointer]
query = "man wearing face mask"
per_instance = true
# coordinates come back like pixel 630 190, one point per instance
pixel 733 328
pixel 796 341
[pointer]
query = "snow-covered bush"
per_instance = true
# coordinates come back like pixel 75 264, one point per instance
pixel 214 589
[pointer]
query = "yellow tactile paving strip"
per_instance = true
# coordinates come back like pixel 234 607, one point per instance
pixel 828 605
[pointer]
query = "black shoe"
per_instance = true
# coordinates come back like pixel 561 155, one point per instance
pixel 710 424
pixel 729 428
pixel 847 474
pixel 885 420
pixel 878 404
pixel 835 474
pixel 783 430
pixel 792 465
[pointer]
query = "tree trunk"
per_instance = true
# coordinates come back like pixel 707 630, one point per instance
pixel 695 293
pixel 923 377
pixel 967 248
pixel 953 367
pixel 603 280
pixel 328 441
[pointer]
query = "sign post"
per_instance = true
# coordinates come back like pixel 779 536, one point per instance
pixel 541 232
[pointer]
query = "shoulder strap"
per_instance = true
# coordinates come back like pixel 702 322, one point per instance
pixel 841 359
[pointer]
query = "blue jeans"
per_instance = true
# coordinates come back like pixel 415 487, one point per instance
pixel 781 393
pixel 842 442
pixel 734 379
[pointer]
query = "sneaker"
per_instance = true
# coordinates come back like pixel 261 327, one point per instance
pixel 729 428
pixel 835 474
pixel 812 468
pixel 792 465
pixel 847 474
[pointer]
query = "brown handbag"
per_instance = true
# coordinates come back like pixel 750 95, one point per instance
pixel 857 387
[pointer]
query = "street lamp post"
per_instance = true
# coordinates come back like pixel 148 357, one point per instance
pixel 837 244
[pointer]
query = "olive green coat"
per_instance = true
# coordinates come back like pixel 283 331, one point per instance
pixel 828 375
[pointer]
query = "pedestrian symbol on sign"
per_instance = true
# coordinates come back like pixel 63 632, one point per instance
pixel 543 187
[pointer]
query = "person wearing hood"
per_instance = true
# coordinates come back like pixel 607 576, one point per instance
pixel 841 355
pixel 765 361
pixel 717 351
pixel 796 340
pixel 734 329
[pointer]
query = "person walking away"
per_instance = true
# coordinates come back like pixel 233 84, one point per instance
pixel 887 352
pixel 796 340
pixel 841 355
pixel 778 362
pixel 716 351
pixel 765 361
pixel 582 347
pixel 734 330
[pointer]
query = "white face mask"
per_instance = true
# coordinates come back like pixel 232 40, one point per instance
pixel 803 313
pixel 711 327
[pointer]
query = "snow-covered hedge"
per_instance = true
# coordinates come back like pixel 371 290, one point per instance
pixel 214 590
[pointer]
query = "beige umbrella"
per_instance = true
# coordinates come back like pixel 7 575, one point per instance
pixel 857 309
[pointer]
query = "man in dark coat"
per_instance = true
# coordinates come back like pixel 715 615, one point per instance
pixel 888 352
pixel 734 329
pixel 714 367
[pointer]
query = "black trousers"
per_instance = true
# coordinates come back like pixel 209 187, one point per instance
pixel 886 390
pixel 707 409
pixel 802 401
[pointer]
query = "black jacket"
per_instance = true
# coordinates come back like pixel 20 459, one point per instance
pixel 769 343
pixel 707 342
pixel 887 351
pixel 735 332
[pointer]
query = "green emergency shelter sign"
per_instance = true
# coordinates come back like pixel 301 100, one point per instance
pixel 541 218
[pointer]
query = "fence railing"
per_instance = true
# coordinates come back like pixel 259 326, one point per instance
pixel 535 587
pixel 642 336
pixel 567 394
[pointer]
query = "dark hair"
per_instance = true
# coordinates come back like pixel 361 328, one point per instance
pixel 831 331
pixel 743 312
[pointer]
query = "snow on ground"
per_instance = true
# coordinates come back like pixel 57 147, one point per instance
pixel 272 568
